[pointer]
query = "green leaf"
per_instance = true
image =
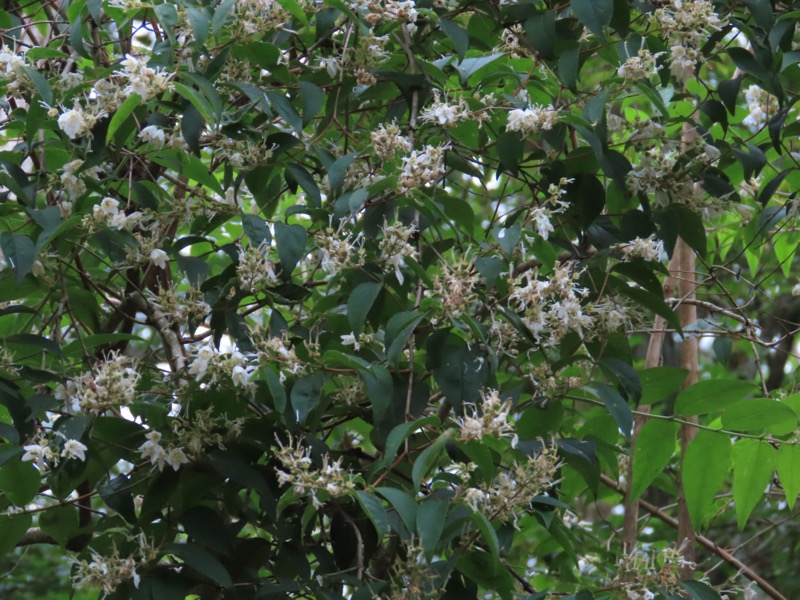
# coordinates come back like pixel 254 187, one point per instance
pixel 201 561
pixel 312 100
pixel 14 528
pixel 431 519
pixel 488 533
pixel 206 527
pixel 360 302
pixel 221 14
pixel 659 383
pixel 404 504
pixel 291 243
pixel 654 448
pixel 699 590
pixel 753 461
pixel 306 181
pixel 122 114
pixel 60 522
pixel 461 373
pixel 295 10
pixel 117 496
pixel 305 395
pixel 400 433
pixel 19 481
pixel 459 37
pixel 398 330
pixel 712 395
pixel 616 405
pixel 256 230
pixel 276 390
pixel 705 469
pixel 760 414
pixel 285 109
pixel 427 459
pixel 20 252
pixel 594 14
pixel 380 386
pixel 788 466
pixel 375 511
pixel 469 66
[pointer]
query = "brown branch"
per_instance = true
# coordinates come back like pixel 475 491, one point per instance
pixel 708 544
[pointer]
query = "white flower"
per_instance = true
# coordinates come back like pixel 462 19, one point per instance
pixel 796 290
pixel 648 249
pixel 159 258
pixel 240 377
pixel 38 453
pixel 74 449
pixel 73 123
pixel 544 227
pixel 153 135
pixel 532 120
pixel 175 458
pixel 350 340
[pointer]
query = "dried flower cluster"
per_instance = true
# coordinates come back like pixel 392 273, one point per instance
pixel 110 385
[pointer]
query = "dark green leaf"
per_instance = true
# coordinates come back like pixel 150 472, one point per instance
pixel 360 302
pixel 654 448
pixel 291 243
pixel 201 561
pixel 616 405
pixel 305 395
pixel 594 14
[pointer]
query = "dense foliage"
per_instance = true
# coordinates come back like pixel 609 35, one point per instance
pixel 384 299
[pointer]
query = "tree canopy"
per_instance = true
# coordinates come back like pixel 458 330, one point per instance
pixel 352 299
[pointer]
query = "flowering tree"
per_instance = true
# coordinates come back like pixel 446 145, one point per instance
pixel 383 299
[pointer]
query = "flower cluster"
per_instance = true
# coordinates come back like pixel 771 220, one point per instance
pixel 234 367
pixel 551 307
pixel 639 572
pixel 686 26
pixel 110 385
pixel 204 429
pixel 454 289
pixel 642 66
pixel 189 307
pixel 490 419
pixel 143 80
pixel 387 141
pixel 77 122
pixel 44 456
pixel 421 168
pixel 12 76
pixel 153 451
pixel 276 350
pixel 444 114
pixel 761 105
pixel 529 121
pixel 108 572
pixel 109 213
pixel 255 270
pixel 648 249
pixel 338 250
pixel 395 248
pixel 330 480
pixel 656 172
pixel 404 11
pixel 513 489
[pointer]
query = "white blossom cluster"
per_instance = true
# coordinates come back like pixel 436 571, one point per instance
pixel 455 288
pixel 640 572
pixel 531 120
pixel 762 105
pixel 648 249
pixel 489 419
pixel 158 455
pixel 395 248
pixel 552 307
pixel 211 366
pixel 11 74
pixel 255 270
pixel 686 25
pixel 388 141
pixel 513 42
pixel 421 169
pixel 299 472
pixel 656 173
pixel 444 114
pixel 338 251
pixel 189 307
pixel 41 453
pixel 641 66
pixel 141 79
pixel 109 385
pixel 204 429
pixel 404 11
pixel 514 488
pixel 276 350
pixel 107 573
pixel 109 214
pixel 77 122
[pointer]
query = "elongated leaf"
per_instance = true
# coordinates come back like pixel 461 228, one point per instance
pixel 427 459
pixel 616 405
pixel 201 561
pixel 711 395
pixel 705 470
pixel 360 302
pixel 759 414
pixel 594 14
pixel 404 504
pixel 431 519
pixel 305 395
pixel 291 243
pixel 20 252
pixel 655 446
pixel 122 114
pixel 753 461
pixel 375 511
pixel 788 465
